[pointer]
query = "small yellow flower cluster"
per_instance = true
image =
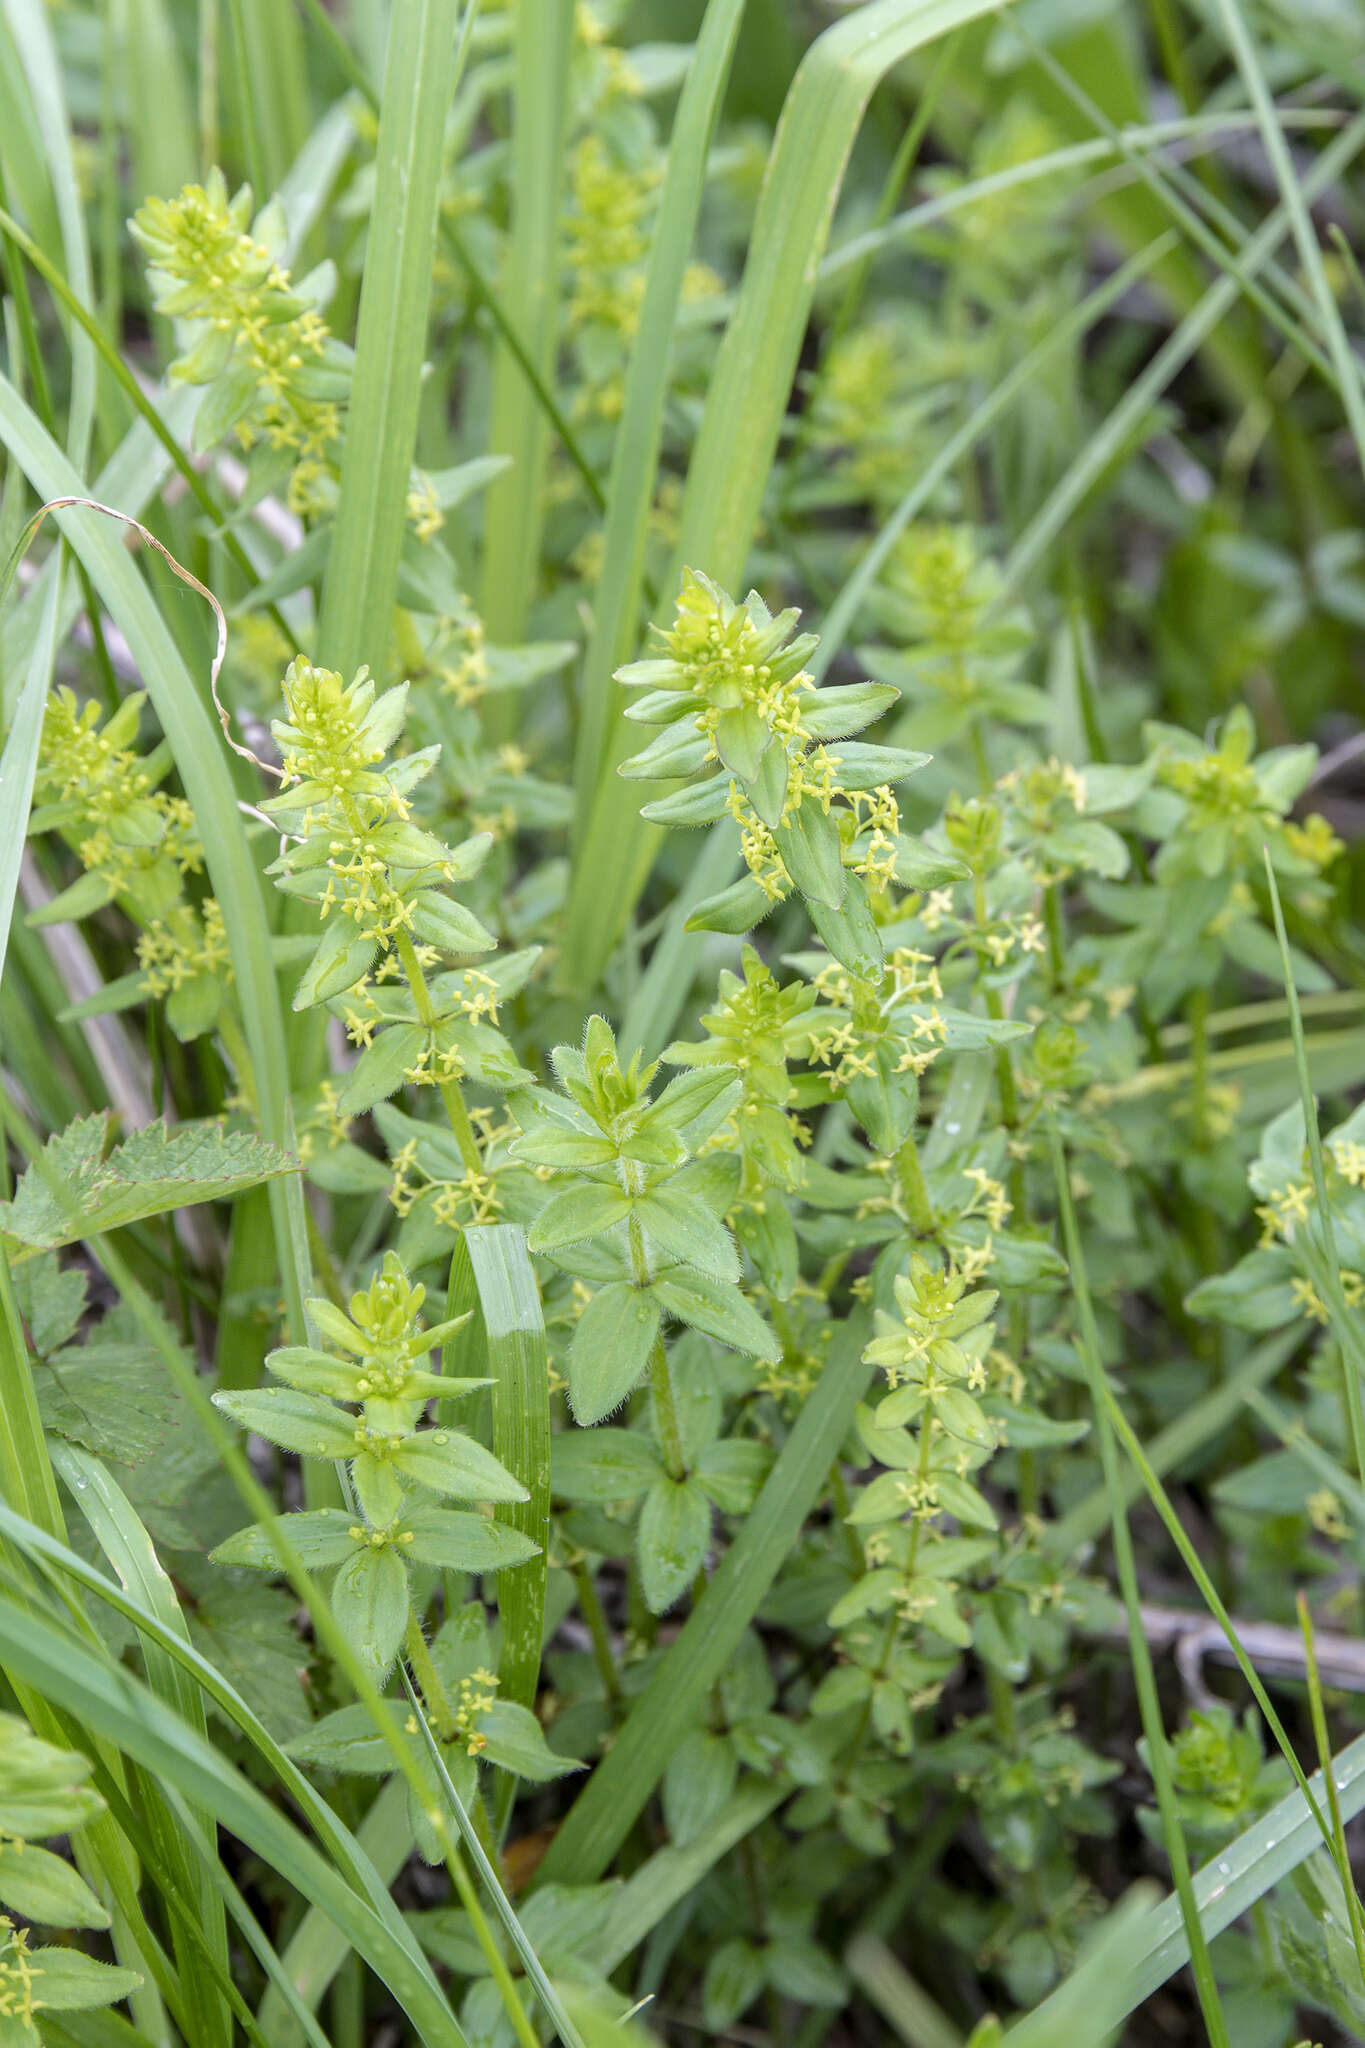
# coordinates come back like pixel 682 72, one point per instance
pixel 424 507
pixel 1325 1513
pixel 473 1198
pixel 606 238
pixel 1314 840
pixel 758 847
pixel 17 1977
pixel 463 667
pixel 475 1696
pixel 209 270
pixel 883 820
pixel 182 945
pixel 130 829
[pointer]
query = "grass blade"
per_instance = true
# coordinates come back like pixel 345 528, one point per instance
pixel 362 569
pixel 635 452
pixel 180 1863
pixel 108 1701
pixel 519 1364
pixel 543 47
pixel 606 1809
pixel 196 745
pixel 1158 1757
pixel 747 400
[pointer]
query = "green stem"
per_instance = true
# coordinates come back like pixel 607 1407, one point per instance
pixel 451 1096
pixel 666 1411
pixel 429 1679
pixel 591 1609
pixel 910 1173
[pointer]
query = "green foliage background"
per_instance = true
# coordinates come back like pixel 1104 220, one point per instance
pixel 657 1244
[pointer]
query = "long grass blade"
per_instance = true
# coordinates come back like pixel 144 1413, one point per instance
pixel 1158 1757
pixel 519 1365
pixel 381 434
pixel 543 46
pixel 605 1811
pixel 635 453
pixel 747 400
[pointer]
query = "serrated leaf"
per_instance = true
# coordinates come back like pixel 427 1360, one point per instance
pixel 73 1191
pixel 108 1394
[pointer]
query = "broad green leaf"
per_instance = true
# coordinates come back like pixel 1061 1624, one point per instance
pixel 515 1740
pixel 321 1536
pixel 66 1981
pixel 370 1603
pixel 75 1191
pixel 720 1310
pixel 462 1542
pixel 674 1530
pixel 686 1232
pixel 450 1463
pixel 296 1422
pixel 576 1213
pixel 603 1465
pixel 40 1886
pixel 610 1349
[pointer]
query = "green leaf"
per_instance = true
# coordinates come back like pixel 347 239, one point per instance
pixel 40 1886
pixel 886 1102
pixel 460 1542
pixel 732 1472
pixel 685 1231
pixel 296 1422
pixel 735 910
pixel 443 922
pixel 675 1528
pixel 720 1310
pixel 450 1463
pixel 809 845
pixel 342 957
pixel 108 1394
pixel 610 1349
pixel 73 1191
pixel 735 1974
pixel 515 1740
pixel 321 1536
pixel 850 931
pixel 370 1603
pixel 379 1071
pixel 67 1981
pixel 576 1213
pixel 602 1465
